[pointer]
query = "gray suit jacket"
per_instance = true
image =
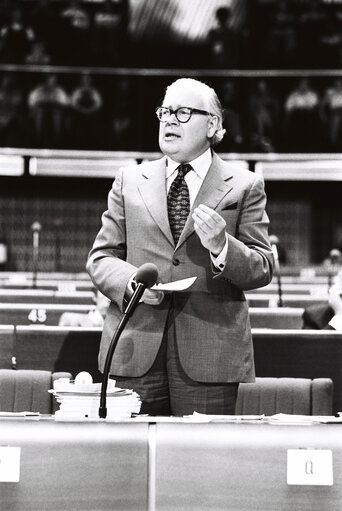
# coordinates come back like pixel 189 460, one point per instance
pixel 211 319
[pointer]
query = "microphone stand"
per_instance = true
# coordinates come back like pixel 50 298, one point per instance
pixel 36 227
pixel 277 269
pixel 139 291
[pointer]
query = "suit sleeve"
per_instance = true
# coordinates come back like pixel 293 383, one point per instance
pixel 250 262
pixel 106 263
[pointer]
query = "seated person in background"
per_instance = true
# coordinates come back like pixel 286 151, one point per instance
pixel 94 317
pixel 15 38
pixel 327 316
pixel 302 110
pixel 86 102
pixel 47 106
pixel 38 54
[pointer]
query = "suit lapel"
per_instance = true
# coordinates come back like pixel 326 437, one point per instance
pixel 214 188
pixel 153 193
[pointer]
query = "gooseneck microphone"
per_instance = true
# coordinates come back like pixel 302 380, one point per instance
pixel 146 277
pixel 36 228
pixel 274 241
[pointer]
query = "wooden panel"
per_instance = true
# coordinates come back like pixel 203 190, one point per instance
pixel 241 467
pixel 83 467
pixel 58 349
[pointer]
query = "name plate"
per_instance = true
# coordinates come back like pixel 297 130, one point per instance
pixel 310 467
pixel 9 464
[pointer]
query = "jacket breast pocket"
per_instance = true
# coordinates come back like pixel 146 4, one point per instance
pixel 231 218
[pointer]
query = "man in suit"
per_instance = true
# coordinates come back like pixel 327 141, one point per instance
pixel 326 316
pixel 184 351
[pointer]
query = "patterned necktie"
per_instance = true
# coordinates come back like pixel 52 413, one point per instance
pixel 178 202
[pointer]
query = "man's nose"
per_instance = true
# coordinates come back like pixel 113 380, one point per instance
pixel 172 119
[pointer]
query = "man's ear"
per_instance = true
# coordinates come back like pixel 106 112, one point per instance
pixel 212 125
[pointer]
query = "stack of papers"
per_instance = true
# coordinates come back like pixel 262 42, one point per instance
pixel 82 401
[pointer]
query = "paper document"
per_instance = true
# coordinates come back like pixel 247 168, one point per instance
pixel 177 285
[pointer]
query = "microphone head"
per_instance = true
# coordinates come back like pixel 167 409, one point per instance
pixel 36 226
pixel 147 274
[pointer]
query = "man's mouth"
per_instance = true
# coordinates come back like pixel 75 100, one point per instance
pixel 170 135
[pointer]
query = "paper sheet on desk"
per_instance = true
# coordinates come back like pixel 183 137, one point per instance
pixel 202 417
pixel 19 414
pixel 177 285
pixel 284 418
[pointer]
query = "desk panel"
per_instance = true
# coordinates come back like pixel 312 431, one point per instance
pixel 70 349
pixel 77 466
pixel 240 467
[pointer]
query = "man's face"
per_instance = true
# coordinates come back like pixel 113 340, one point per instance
pixel 183 142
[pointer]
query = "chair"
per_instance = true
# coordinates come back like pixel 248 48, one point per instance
pixel 300 396
pixel 26 390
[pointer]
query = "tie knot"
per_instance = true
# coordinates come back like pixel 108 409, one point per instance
pixel 183 169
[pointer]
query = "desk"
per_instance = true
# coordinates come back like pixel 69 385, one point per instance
pixel 76 466
pixel 165 466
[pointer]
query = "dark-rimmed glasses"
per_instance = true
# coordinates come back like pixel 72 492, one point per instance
pixel 183 114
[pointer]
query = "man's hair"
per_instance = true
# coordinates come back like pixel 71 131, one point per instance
pixel 212 100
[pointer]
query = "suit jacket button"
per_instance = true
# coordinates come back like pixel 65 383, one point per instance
pixel 175 261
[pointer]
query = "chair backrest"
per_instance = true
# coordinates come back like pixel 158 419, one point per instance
pixel 300 354
pixel 26 390
pixel 300 396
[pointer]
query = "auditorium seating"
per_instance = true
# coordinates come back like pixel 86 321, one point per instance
pixel 37 313
pixel 54 349
pixel 6 346
pixel 300 396
pixel 276 317
pixel 27 390
pixel 300 354
pixel 45 296
pixel 293 300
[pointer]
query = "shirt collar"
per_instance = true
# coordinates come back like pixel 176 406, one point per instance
pixel 200 164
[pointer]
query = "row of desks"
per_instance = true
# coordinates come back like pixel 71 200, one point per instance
pixel 277 353
pixel 49 314
pixel 155 466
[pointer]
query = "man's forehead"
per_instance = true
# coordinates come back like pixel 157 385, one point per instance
pixel 184 96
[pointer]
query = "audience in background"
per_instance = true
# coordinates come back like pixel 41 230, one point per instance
pixel 329 315
pixel 263 112
pixel 48 103
pixel 94 318
pixel 282 41
pixel 234 140
pixel 86 104
pixel 75 27
pixel 15 38
pixel 223 41
pixel 331 112
pixel 107 32
pixel 121 134
pixel 302 122
pixel 311 24
pixel 38 54
pixel 11 112
pixel 44 20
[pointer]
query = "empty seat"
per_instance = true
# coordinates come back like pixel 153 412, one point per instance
pixel 300 396
pixel 26 390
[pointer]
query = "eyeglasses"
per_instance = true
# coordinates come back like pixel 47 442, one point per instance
pixel 183 114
